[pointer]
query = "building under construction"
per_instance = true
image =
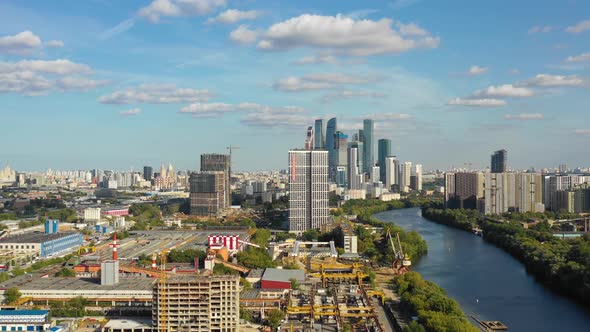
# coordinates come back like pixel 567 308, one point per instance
pixel 197 303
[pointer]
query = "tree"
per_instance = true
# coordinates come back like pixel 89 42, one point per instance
pixel 294 283
pixel 275 316
pixel 65 272
pixel 310 235
pixel 11 295
pixel 245 314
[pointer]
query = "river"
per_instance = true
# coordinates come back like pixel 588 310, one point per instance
pixel 486 281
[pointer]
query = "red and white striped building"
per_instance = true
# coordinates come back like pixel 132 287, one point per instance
pixel 231 242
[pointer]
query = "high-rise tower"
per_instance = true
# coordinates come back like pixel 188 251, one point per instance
pixel 499 161
pixel 383 151
pixel 318 139
pixel 368 139
pixel 331 129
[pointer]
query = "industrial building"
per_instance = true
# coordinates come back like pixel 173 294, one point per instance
pixel 24 320
pixel 197 303
pixel 46 244
pixel 280 279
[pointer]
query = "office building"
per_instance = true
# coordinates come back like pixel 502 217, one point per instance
pixel 464 190
pixel 341 176
pixel 355 179
pixel 360 146
pixel 341 150
pixel 148 173
pixel 318 140
pixel 208 193
pixel 499 161
pixel 391 173
pixel 383 151
pixel 309 139
pixel 405 171
pixel 197 303
pixel 375 174
pixel 213 162
pixel 308 190
pixel 369 139
pixel 513 192
pixel 331 129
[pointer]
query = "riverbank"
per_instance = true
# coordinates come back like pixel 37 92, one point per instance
pixel 561 264
pixel 435 311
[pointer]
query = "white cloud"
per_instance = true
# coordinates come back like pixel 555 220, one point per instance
pixel 156 94
pixel 477 70
pixel 315 59
pixel 243 35
pixel 582 131
pixel 22 43
pixel 579 58
pixel 38 77
pixel 411 29
pixel 131 112
pixel 540 29
pixel 546 80
pixel 54 43
pixel 380 117
pixel 504 91
pixel 254 114
pixel 514 71
pixel 343 35
pixel 175 8
pixel 117 29
pixel 347 94
pixel 486 102
pixel 579 27
pixel 524 116
pixel 321 81
pixel 233 15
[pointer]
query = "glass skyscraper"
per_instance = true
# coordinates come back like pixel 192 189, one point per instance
pixel 368 139
pixel 499 161
pixel 318 139
pixel 331 147
pixel 383 151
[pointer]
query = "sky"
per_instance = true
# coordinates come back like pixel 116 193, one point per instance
pixel 116 84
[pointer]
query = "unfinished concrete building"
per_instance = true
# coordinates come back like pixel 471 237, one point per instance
pixel 197 303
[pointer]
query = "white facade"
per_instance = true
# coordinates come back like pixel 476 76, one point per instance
pixel 391 172
pixel 92 214
pixel 308 190
pixel 405 173
pixel 350 244
pixel 386 197
pixel 418 174
pixel 519 192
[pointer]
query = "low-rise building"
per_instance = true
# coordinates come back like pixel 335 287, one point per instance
pixel 24 320
pixel 41 245
pixel 280 278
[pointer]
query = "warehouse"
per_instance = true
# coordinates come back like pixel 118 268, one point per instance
pixel 24 320
pixel 41 245
pixel 280 279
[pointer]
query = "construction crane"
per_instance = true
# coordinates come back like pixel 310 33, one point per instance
pixel 401 262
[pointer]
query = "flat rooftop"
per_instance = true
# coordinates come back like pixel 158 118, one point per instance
pixel 35 237
pixel 128 323
pixel 35 282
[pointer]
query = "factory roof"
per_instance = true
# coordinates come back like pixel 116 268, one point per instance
pixel 283 275
pixel 23 312
pixel 35 237
pixel 35 282
pixel 128 323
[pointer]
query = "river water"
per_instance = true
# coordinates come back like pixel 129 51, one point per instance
pixel 487 282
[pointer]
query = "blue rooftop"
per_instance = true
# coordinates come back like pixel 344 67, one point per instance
pixel 23 312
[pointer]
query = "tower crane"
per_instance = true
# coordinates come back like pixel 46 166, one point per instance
pixel 401 262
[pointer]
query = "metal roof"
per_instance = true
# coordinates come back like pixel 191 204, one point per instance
pixel 283 275
pixel 23 312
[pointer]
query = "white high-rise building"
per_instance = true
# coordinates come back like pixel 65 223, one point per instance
pixel 355 179
pixel 375 173
pixel 520 192
pixel 405 174
pixel 418 175
pixel 308 190
pixel 391 172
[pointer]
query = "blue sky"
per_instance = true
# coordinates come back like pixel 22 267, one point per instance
pixel 119 84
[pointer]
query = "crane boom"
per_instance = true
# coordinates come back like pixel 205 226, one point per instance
pixel 401 252
pixel 392 244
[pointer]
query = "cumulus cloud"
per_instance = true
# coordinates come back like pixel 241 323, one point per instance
pixel 253 114
pixel 22 43
pixel 524 116
pixel 486 102
pixel 321 81
pixel 175 8
pixel 54 43
pixel 316 59
pixel 243 35
pixel 156 94
pixel 131 112
pixel 344 35
pixel 233 15
pixel 38 77
pixel 546 80
pixel 579 27
pixel 504 91
pixel 579 58
pixel 582 131
pixel 348 94
pixel 540 29
pixel 411 29
pixel 477 70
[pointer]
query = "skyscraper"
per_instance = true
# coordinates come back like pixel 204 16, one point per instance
pixel 519 192
pixel 464 190
pixel 391 172
pixel 405 172
pixel 309 139
pixel 355 179
pixel 319 142
pixel 207 193
pixel 331 129
pixel 499 161
pixel 418 175
pixel 308 190
pixel 341 147
pixel 383 151
pixel 148 172
pixel 213 162
pixel 368 139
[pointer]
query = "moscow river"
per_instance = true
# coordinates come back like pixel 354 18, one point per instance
pixel 486 281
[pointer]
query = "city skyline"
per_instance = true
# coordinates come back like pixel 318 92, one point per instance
pixel 132 85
